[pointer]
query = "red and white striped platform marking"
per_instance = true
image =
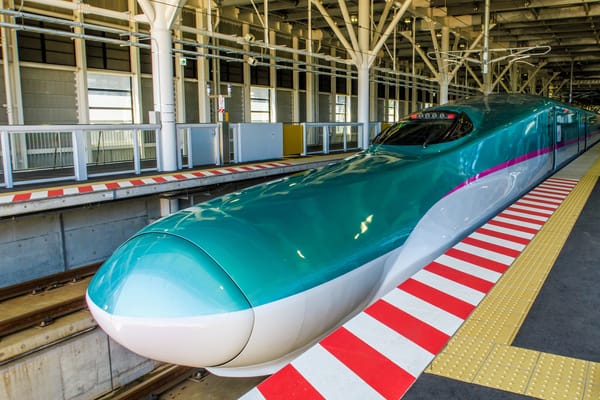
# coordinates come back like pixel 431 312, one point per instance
pixel 136 182
pixel 381 352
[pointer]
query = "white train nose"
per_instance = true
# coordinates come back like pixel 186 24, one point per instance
pixel 164 298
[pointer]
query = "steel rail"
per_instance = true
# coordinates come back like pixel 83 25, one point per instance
pixel 47 282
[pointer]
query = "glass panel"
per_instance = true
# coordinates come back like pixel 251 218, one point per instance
pixel 426 128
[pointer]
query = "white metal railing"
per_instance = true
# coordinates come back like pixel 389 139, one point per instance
pixel 327 137
pixel 46 153
pixel 33 154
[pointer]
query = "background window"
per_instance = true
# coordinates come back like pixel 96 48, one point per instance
pixel 259 105
pixel 109 98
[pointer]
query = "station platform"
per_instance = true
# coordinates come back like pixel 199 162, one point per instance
pixel 45 197
pixel 512 311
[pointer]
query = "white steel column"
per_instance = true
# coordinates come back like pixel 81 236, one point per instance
pixel 295 84
pixel 202 68
pixel 12 75
pixel 180 115
pixel 247 79
pixel 310 76
pixel 161 16
pixel 272 75
pixel 363 70
pixel 487 74
pixel 444 73
pixel 81 85
pixel 136 70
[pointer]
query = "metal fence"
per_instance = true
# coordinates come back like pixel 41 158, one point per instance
pixel 328 137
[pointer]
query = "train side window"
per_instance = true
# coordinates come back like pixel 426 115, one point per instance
pixel 429 127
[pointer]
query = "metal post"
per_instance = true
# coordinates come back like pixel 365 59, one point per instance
pixel 6 159
pixel 304 137
pixel 79 155
pixel 137 160
pixel 326 139
pixel 571 84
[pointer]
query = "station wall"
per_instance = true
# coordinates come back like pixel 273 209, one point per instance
pixel 37 245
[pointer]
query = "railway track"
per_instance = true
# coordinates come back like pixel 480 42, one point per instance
pixel 38 303
pixel 155 383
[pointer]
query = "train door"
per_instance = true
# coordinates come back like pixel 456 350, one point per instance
pixel 552 134
pixel 583 133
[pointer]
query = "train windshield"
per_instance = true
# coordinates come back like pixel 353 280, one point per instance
pixel 425 128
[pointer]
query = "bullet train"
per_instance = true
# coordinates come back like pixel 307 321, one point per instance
pixel 243 283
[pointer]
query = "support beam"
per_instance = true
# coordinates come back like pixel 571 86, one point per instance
pixel 162 16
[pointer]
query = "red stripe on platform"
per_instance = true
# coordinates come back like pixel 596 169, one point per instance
pixel 442 300
pixel 21 197
pixel 387 378
pixel 522 219
pixel 112 185
pixel 288 383
pixel 159 179
pixel 55 192
pixel 179 177
pixel 463 278
pixel 216 171
pixel 482 244
pixel 424 335
pixel 232 170
pixel 245 168
pixel 260 166
pixel 85 189
pixel 503 236
pixel 520 203
pixel 513 226
pixel 137 182
pixel 199 174
pixel 477 260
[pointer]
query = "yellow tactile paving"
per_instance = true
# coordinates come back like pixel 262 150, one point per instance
pixel 480 352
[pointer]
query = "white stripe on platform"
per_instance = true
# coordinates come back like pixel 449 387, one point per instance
pixel 537 203
pixel 500 242
pixel 541 197
pixel 123 184
pixel 70 190
pixel 6 199
pixel 561 184
pixel 525 215
pixel 490 255
pixel 412 358
pixel 39 195
pixel 508 231
pixel 450 287
pixel 330 377
pixel 99 187
pixel 519 223
pixel 468 268
pixel 253 394
pixel 529 208
pixel 424 311
pixel 553 189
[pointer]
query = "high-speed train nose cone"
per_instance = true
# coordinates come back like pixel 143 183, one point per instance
pixel 166 299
